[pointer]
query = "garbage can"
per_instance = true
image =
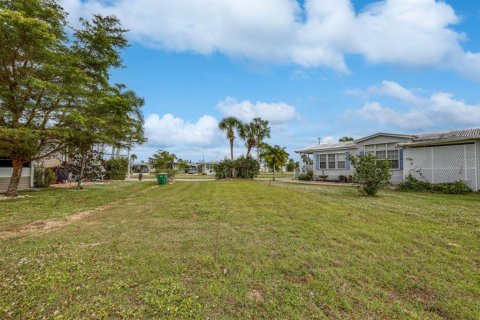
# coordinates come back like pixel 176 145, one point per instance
pixel 162 178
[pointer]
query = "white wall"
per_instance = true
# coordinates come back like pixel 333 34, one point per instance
pixel 333 174
pixel 446 163
pixel 7 172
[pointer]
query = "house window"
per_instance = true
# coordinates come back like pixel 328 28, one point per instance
pixel 323 161
pixel 383 152
pixel 331 161
pixel 341 161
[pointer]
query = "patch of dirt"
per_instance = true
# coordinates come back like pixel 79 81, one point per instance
pixel 257 294
pixel 46 225
pixel 4 198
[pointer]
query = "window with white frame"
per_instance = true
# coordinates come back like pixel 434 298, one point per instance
pixel 333 161
pixel 385 151
pixel 323 161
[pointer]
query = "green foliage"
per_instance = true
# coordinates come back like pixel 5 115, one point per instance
pixel 345 139
pixel 56 89
pixel 43 177
pixel 229 125
pixel 275 156
pixel 162 161
pixel 306 159
pixel 254 132
pixel 370 174
pixel 411 184
pixel 116 168
pixel 243 167
pixel 306 176
pixel 292 165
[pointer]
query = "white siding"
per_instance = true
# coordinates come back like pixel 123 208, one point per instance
pixel 447 163
pixel 397 175
pixel 333 174
pixel 7 172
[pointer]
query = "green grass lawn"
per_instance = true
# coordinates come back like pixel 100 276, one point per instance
pixel 242 249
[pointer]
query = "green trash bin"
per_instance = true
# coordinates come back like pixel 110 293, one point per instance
pixel 162 179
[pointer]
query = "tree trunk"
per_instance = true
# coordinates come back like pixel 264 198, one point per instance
pixel 231 149
pixel 249 149
pixel 274 172
pixel 80 177
pixel 15 179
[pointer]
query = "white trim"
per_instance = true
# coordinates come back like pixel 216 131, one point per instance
pixel 476 166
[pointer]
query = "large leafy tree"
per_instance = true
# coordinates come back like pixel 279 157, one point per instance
pixel 274 156
pixel 55 90
pixel 230 125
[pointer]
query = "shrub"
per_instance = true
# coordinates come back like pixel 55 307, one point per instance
pixel 43 177
pixel 306 176
pixel 370 174
pixel 243 167
pixel 411 184
pixel 116 168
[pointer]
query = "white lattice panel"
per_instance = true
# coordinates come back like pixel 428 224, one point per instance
pixel 442 164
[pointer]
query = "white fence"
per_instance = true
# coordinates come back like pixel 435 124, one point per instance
pixel 446 163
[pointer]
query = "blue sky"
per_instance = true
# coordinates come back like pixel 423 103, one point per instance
pixel 314 69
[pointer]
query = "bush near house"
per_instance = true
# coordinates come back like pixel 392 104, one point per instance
pixel 411 184
pixel 370 174
pixel 306 176
pixel 116 168
pixel 243 168
pixel 43 177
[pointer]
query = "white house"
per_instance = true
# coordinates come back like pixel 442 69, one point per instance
pixel 6 169
pixel 434 157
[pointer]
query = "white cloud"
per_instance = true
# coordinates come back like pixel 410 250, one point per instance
pixel 394 90
pixel 170 131
pixel 411 120
pixel 276 113
pixel 409 32
pixel 439 109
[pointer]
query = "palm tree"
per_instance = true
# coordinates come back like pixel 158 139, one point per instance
pixel 133 157
pixel 247 132
pixel 253 133
pixel 229 125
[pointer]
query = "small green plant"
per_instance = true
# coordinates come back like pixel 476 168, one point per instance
pixel 370 174
pixel 412 184
pixel 116 168
pixel 43 177
pixel 306 176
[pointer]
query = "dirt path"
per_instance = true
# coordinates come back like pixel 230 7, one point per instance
pixel 43 226
pixel 46 225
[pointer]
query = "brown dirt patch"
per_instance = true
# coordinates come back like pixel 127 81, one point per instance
pixel 46 225
pixel 257 294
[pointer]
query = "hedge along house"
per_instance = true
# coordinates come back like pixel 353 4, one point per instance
pixel 435 157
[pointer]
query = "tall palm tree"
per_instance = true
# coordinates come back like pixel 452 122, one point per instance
pixel 247 132
pixel 229 125
pixel 253 133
